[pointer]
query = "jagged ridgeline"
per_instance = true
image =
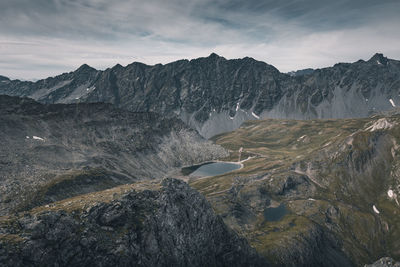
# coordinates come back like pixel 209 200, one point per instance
pixel 215 95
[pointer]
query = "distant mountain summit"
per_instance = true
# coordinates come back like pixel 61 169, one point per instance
pixel 301 72
pixel 379 59
pixel 215 95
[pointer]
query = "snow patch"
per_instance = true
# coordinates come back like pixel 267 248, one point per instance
pixel 301 138
pixel 255 116
pixel 90 89
pixel 237 106
pixel 27 137
pixel 392 102
pixel 375 209
pixel 231 117
pixel 379 63
pixel 379 125
pixel 38 138
pixel 392 195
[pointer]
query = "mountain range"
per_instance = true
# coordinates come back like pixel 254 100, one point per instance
pixel 90 165
pixel 215 95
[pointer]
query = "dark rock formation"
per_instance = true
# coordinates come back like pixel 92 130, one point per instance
pixel 384 262
pixel 215 95
pixel 301 72
pixel 172 225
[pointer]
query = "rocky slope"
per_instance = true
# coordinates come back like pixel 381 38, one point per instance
pixel 144 224
pixel 50 152
pixel 384 262
pixel 313 193
pixel 215 95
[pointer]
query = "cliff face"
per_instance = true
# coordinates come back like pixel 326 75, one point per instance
pixel 215 95
pixel 50 152
pixel 384 262
pixel 145 224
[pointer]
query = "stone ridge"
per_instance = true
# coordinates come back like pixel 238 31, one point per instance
pixel 170 226
pixel 384 262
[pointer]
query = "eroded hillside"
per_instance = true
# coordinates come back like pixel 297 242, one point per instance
pixel 51 152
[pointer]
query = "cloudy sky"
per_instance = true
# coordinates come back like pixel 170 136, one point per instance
pixel 41 38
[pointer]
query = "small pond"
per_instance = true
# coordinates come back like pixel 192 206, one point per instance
pixel 275 214
pixel 210 169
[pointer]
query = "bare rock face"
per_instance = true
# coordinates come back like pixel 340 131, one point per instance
pixel 50 152
pixel 168 224
pixel 384 262
pixel 215 95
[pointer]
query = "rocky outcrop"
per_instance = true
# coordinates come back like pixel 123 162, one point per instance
pixel 161 225
pixel 215 95
pixel 384 262
pixel 50 152
pixel 314 247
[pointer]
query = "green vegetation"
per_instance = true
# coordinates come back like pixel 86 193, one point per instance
pixel 85 201
pixel 67 185
pixel 348 169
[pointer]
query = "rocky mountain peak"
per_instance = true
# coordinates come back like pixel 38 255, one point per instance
pixel 3 78
pixel 214 56
pixel 117 66
pixel 379 59
pixel 85 68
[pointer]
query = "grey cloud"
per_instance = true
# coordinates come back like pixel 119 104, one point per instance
pixel 179 20
pixel 290 34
